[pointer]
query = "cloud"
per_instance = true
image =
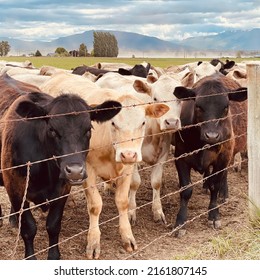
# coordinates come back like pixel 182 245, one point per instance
pixel 170 20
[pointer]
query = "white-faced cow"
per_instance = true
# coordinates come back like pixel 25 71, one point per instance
pixel 56 148
pixel 210 107
pixel 115 148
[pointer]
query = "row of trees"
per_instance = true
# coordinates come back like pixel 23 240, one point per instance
pixel 104 45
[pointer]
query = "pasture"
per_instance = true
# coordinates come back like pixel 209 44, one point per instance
pixel 71 62
pixel 236 239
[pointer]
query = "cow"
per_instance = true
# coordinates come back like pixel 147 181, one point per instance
pixel 138 70
pixel 208 140
pixel 80 70
pixel 225 67
pixel 115 148
pixel 50 152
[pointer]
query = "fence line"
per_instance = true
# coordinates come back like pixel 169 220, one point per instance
pixel 113 179
pixel 56 157
pixel 147 204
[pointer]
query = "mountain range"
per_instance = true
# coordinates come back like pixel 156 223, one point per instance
pixel 132 42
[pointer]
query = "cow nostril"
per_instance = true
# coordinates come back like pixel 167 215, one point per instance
pixel 212 135
pixel 74 169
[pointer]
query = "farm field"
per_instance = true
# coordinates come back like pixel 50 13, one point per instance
pixel 71 62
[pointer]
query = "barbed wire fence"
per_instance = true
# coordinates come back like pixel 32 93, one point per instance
pixel 116 217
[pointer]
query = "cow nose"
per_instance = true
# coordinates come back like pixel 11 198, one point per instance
pixel 128 157
pixel 172 123
pixel 75 173
pixel 212 137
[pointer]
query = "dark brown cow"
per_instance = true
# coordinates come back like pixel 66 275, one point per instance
pixel 209 105
pixel 47 137
pixel 10 90
pixel 138 70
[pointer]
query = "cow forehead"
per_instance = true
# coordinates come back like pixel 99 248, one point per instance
pixel 163 88
pixel 130 117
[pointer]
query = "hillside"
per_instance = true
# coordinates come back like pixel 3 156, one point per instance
pixel 130 42
pixel 230 40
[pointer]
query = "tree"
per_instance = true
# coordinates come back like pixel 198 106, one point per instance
pixel 61 51
pixel 38 53
pixel 105 44
pixel 4 48
pixel 83 51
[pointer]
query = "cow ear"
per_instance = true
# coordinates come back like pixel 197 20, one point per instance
pixel 156 110
pixel 124 72
pixel 183 92
pixel 239 94
pixel 105 111
pixel 229 64
pixel 142 87
pixel 27 109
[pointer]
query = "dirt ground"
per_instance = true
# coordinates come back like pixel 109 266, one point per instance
pixel 152 238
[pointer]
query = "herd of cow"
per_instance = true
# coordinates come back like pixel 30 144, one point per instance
pixel 62 128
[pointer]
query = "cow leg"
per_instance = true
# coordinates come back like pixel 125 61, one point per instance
pixel 121 199
pixel 156 182
pixel 135 184
pixel 94 204
pixel 184 180
pixel 220 182
pixel 13 218
pixel 53 226
pixel 28 227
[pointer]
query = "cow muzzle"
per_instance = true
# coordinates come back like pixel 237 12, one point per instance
pixel 211 137
pixel 75 173
pixel 128 157
pixel 171 124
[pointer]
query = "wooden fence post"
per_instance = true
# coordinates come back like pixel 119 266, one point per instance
pixel 253 141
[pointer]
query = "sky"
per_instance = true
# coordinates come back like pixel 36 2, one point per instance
pixel 167 20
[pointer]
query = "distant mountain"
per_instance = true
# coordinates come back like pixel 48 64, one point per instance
pixel 229 40
pixel 129 42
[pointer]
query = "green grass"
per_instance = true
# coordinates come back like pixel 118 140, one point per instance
pixel 72 62
pixel 242 243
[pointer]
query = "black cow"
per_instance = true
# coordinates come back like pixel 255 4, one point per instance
pixel 224 66
pixel 80 70
pixel 138 70
pixel 209 105
pixel 64 140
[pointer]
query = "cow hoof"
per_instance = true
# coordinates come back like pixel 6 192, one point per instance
pixel 93 253
pixel 180 233
pixel 217 224
pixel 159 217
pixel 214 224
pixel 130 246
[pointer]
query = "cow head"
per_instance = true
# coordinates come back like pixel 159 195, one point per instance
pixel 65 130
pixel 162 90
pixel 210 108
pixel 128 127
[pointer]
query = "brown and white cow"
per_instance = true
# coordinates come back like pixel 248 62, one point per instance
pixel 115 148
pixel 156 145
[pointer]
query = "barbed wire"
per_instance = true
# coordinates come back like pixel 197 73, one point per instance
pixel 56 157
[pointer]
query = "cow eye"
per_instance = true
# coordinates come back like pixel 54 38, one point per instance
pixel 143 123
pixel 155 99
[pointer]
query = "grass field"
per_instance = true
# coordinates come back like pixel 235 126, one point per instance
pixel 72 62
